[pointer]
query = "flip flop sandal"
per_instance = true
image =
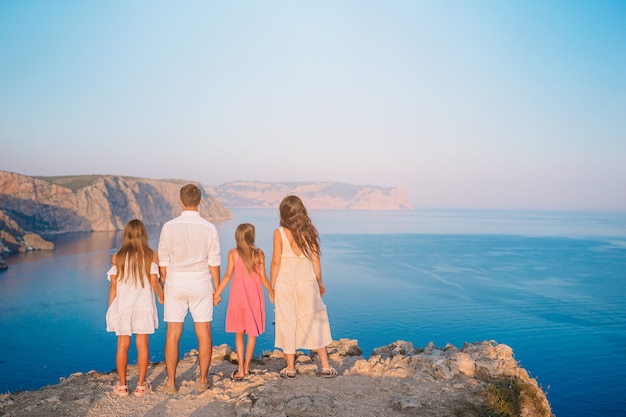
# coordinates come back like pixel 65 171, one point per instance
pixel 202 386
pixel 329 372
pixel 168 389
pixel 285 373
pixel 234 376
pixel 121 390
pixel 142 389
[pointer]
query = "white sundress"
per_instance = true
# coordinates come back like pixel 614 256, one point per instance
pixel 301 316
pixel 133 311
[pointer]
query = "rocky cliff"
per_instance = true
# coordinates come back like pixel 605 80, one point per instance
pixel 47 205
pixel 316 195
pixel 397 380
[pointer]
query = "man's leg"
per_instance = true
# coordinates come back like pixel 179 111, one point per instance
pixel 205 349
pixel 172 339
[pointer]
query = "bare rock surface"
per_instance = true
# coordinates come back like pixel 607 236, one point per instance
pixel 396 380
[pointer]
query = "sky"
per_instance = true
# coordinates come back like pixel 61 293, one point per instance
pixel 506 105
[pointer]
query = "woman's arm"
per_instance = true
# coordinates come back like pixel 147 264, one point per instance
pixel 317 267
pixel 227 276
pixel 275 265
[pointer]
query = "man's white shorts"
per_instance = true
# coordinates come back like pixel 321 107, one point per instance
pixel 191 292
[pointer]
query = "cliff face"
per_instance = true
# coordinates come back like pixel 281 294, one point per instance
pixel 397 380
pixel 97 203
pixel 316 195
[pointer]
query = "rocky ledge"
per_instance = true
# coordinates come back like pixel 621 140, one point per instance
pixel 480 379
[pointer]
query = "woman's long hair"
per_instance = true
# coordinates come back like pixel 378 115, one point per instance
pixel 293 216
pixel 134 256
pixel 244 238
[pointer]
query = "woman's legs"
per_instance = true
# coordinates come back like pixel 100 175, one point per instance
pixel 291 361
pixel 323 354
pixel 141 341
pixel 121 357
pixel 327 370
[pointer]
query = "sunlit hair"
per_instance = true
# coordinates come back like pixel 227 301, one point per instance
pixel 293 216
pixel 244 238
pixel 190 195
pixel 134 256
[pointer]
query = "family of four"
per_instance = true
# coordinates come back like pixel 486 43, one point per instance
pixel 185 276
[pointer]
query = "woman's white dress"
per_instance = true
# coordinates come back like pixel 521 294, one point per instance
pixel 133 311
pixel 301 316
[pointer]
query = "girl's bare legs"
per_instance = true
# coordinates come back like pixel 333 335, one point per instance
pixel 249 354
pixel 141 340
pixel 239 346
pixel 121 357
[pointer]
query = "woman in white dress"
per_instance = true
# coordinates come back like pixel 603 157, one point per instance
pixel 132 310
pixel 296 276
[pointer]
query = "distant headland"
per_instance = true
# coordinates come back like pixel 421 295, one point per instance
pixel 316 195
pixel 34 206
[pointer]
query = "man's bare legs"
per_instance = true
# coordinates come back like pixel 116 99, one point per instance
pixel 205 349
pixel 172 339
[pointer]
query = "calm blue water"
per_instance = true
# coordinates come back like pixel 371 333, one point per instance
pixel 550 285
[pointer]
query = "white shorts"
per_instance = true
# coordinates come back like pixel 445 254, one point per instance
pixel 191 292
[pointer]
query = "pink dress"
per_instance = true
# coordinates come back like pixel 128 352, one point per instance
pixel 246 305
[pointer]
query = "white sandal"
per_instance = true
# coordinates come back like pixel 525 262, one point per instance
pixel 120 390
pixel 285 373
pixel 329 372
pixel 142 389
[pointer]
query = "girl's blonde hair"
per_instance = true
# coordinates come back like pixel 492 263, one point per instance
pixel 134 257
pixel 293 216
pixel 244 238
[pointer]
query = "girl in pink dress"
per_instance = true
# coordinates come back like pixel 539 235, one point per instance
pixel 132 310
pixel 246 306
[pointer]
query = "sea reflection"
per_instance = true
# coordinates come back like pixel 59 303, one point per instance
pixel 555 299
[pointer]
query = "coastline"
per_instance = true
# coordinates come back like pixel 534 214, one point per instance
pixel 396 380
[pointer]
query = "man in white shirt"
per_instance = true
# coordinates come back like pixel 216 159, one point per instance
pixel 189 262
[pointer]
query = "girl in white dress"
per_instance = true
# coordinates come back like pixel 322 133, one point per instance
pixel 296 276
pixel 132 310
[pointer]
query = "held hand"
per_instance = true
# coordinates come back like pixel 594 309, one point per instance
pixel 216 299
pixel 322 289
pixel 161 300
pixel 272 297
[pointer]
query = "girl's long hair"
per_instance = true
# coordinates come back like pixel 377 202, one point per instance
pixel 134 257
pixel 244 238
pixel 293 216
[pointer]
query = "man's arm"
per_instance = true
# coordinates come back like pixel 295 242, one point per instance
pixel 163 256
pixel 215 273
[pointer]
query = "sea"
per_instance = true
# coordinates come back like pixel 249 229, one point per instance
pixel 550 285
